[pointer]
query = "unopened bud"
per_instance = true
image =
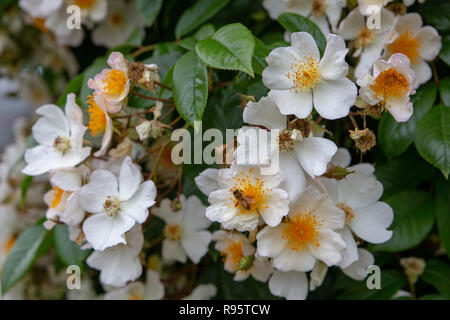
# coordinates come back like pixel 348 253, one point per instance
pixel 245 263
pixel 413 267
pixel 337 173
pixel 176 205
pixel 144 129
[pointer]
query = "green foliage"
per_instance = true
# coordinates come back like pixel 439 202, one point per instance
pixel 22 256
pixel 437 13
pixel 293 22
pixel 195 16
pixel 204 32
pixel 230 48
pixel 149 9
pixel 395 137
pixel 432 138
pixel 68 251
pixel 190 87
pixel 437 274
pixel 443 212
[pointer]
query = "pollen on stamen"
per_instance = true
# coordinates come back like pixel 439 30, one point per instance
pixel 250 196
pixel 233 252
pixel 115 82
pixel 407 45
pixel 97 117
pixel 302 231
pixel 305 74
pixel 57 196
pixel 390 84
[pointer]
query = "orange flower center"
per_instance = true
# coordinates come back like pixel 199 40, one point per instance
pixel 249 195
pixel 173 231
pixel 390 84
pixel 115 82
pixel 408 45
pixel 365 37
pixel 97 117
pixel 57 196
pixel 8 245
pixel 234 253
pixel 84 4
pixel 305 74
pixel 302 231
pixel 39 23
pixel 318 7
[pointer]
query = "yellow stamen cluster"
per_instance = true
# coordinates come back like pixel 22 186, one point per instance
pixel 305 74
pixel 364 38
pixel 390 84
pixel 173 231
pixel 302 231
pixel 97 117
pixel 407 45
pixel 349 214
pixel 9 243
pixel 57 196
pixel 318 7
pixel 233 252
pixel 253 195
pixel 117 19
pixel 115 82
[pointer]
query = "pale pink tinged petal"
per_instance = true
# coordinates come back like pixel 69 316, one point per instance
pixel 194 214
pixel 172 250
pixel 52 124
pixel 304 45
pixel 379 66
pixel 291 285
pixel 264 113
pixel 350 26
pixel 270 241
pixel 279 65
pixel 334 98
pixel 294 260
pixel 331 245
pixel 290 102
pixel 103 232
pixel 101 185
pixel 314 154
pixel 195 243
pixel 206 181
pixel 358 270
pixel 129 179
pixel 137 206
pixel 333 65
pixel 370 223
pixel 116 60
pixel 423 73
pixel 350 253
pixel 294 181
pixel 401 108
pixel 431 42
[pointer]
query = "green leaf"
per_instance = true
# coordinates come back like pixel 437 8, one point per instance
pixel 149 9
pixel 22 256
pixel 293 22
pixel 204 32
pixel 190 87
pixel 395 137
pixel 74 86
pixel 196 15
pixel 136 37
pixel 230 48
pixel 26 183
pixel 413 219
pixel 437 273
pixel 437 13
pixel 259 56
pixel 445 51
pixel 396 175
pixel 443 213
pixel 68 251
pixel 391 282
pixel 432 138
pixel 444 91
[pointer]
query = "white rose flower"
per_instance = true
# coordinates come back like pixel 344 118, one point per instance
pixel 239 256
pixel 298 78
pixel 121 263
pixel 358 269
pixel 40 8
pixel 185 231
pixel 60 138
pixel 357 195
pixel 275 7
pixel 245 196
pixel 369 43
pixel 290 285
pixel 116 204
pixel 391 85
pixel 370 7
pixel 420 44
pixel 307 236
